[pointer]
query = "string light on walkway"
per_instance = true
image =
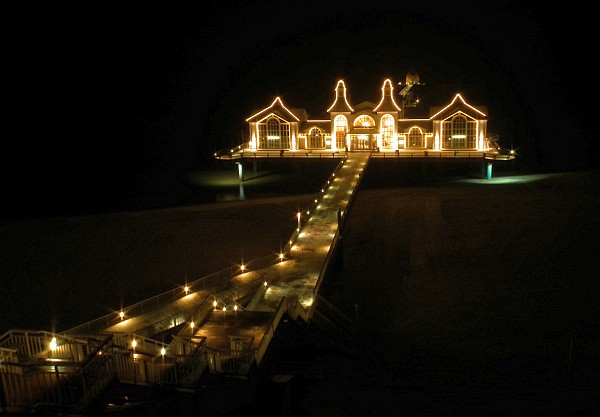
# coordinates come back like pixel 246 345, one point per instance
pixel 186 289
pixel 121 315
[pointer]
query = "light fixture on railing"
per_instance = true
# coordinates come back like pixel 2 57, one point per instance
pixel 53 344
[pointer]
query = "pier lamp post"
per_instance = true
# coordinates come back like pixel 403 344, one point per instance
pixel 240 171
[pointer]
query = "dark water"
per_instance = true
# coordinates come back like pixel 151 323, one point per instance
pixel 220 181
pixel 90 192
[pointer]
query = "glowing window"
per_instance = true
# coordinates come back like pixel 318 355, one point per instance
pixel 387 130
pixel 364 121
pixel 341 128
pixel 459 133
pixel 415 138
pixel 315 138
pixel 274 133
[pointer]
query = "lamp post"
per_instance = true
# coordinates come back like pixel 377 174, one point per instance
pixel 240 171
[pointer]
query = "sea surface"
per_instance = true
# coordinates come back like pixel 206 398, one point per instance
pixel 212 181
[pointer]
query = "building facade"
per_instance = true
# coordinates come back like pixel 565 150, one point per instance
pixel 456 126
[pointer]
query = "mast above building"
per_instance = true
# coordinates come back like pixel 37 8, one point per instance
pixel 407 92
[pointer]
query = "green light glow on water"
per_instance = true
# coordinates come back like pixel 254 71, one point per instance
pixel 513 179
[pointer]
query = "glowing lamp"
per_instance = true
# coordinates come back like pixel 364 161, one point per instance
pixel 53 344
pixel 121 315
pixel 163 351
pixel 133 343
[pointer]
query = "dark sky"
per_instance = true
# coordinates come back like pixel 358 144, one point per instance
pixel 103 93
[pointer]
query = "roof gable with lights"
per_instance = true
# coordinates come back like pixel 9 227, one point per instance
pixel 341 104
pixel 458 104
pixel 276 108
pixel 387 102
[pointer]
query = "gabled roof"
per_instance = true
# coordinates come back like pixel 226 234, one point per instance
pixel 458 104
pixel 364 105
pixel 387 102
pixel 341 102
pixel 277 108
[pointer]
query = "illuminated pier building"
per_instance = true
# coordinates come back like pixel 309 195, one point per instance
pixel 366 126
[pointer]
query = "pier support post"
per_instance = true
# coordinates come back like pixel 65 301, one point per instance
pixel 488 171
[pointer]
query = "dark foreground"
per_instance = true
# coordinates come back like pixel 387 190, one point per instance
pixel 471 297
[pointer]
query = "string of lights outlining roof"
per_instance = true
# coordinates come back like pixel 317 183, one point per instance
pixel 458 96
pixel 277 100
pixel 388 83
pixel 343 85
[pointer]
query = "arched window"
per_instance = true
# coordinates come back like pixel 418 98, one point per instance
pixel 274 133
pixel 340 124
pixel 459 133
pixel 415 138
pixel 387 130
pixel 364 121
pixel 315 138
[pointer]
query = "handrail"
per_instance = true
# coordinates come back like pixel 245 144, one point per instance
pixel 208 281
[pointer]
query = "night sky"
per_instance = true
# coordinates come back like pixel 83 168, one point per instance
pixel 99 94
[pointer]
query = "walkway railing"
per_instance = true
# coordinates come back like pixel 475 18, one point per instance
pixel 241 151
pixel 67 376
pixel 207 282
